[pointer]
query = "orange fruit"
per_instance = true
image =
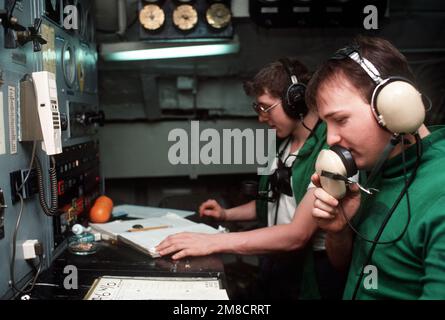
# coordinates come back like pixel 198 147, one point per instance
pixel 105 201
pixel 100 213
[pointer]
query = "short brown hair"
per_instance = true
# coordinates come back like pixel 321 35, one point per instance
pixel 380 52
pixel 274 79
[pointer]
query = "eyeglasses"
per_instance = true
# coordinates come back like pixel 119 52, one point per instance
pixel 263 108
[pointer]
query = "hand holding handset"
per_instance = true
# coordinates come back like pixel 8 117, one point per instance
pixel 335 204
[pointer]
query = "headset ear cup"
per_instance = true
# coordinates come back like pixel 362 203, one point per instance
pixel 398 106
pixel 295 104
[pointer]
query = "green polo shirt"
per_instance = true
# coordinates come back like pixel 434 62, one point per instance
pixel 414 267
pixel 302 169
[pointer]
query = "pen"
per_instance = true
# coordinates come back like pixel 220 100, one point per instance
pixel 148 228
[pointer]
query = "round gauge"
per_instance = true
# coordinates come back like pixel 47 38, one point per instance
pixel 185 17
pixel 152 17
pixel 218 15
pixel 68 64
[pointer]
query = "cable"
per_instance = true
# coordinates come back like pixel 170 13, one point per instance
pixel 14 243
pixel 276 211
pixel 31 164
pixel 14 238
pixel 304 125
pixel 14 250
pixel 391 211
pixel 52 210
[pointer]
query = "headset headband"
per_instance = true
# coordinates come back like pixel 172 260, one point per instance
pixel 289 70
pixel 353 52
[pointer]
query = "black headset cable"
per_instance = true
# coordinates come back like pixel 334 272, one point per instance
pixel 393 208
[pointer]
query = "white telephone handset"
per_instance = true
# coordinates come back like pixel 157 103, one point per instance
pixel 48 109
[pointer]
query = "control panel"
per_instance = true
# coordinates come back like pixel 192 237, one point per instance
pixel 78 185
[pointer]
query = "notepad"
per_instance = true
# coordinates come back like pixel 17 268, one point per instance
pixel 146 241
pixel 156 288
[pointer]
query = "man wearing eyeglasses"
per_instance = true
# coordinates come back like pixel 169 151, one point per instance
pixel 289 236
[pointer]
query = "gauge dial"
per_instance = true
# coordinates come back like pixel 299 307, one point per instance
pixel 69 64
pixel 185 17
pixel 152 17
pixel 218 15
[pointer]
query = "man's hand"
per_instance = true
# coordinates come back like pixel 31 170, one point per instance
pixel 329 212
pixel 186 244
pixel 211 208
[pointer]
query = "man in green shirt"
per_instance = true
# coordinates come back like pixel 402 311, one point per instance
pixel 288 225
pixel 407 225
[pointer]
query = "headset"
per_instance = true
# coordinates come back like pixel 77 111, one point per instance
pixel 294 104
pixel 396 105
pixel 395 102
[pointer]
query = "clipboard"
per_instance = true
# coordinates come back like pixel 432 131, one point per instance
pixel 156 288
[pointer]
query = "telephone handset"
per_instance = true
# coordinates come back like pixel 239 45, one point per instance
pixel 48 109
pixel 39 100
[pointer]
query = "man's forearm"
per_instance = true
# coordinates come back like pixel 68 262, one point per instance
pixel 243 212
pixel 339 248
pixel 261 241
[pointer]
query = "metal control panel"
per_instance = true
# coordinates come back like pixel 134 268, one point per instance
pixel 78 185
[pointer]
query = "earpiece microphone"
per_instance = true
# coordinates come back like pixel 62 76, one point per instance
pixel 335 166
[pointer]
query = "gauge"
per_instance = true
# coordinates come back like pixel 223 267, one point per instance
pixel 68 64
pixel 185 17
pixel 218 15
pixel 152 17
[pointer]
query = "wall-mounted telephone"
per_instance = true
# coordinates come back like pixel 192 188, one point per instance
pixel 40 120
pixel 48 109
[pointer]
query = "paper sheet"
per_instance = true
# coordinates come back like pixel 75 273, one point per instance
pixel 156 288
